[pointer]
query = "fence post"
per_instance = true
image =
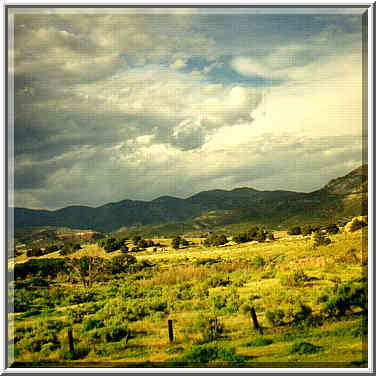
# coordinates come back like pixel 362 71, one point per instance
pixel 70 339
pixel 255 322
pixel 170 332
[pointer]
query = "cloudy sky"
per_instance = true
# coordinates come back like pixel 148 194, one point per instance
pixel 135 104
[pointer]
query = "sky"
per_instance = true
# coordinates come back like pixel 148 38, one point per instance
pixel 114 104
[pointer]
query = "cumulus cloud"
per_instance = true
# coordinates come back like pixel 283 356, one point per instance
pixel 109 106
pixel 178 64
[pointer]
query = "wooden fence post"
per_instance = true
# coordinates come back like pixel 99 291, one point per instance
pixel 70 339
pixel 170 332
pixel 255 322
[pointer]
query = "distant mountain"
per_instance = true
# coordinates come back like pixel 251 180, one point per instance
pixel 341 197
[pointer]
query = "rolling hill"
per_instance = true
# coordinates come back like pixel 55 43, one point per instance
pixel 342 197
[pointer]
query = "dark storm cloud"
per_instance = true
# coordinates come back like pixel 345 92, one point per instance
pixel 113 106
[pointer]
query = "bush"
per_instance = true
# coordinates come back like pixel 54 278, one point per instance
pixel 121 263
pixel 302 348
pixel 112 244
pixel 116 332
pixel 34 252
pixel 331 228
pixel 275 317
pixel 215 240
pixel 294 279
pixel 260 341
pixel 41 267
pixel 206 261
pixel 91 323
pixel 303 316
pixel 307 230
pixel 347 297
pixel 200 354
pixel 258 262
pixel 124 249
pixel 254 233
pixel 355 224
pixel 296 230
pixel 176 242
pixel 51 248
pixel 270 236
pixel 320 239
pixel 209 327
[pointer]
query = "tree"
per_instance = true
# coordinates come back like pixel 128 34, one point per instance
pixel 320 239
pixel 34 252
pixel 296 230
pixel 176 242
pixel 184 242
pixel 331 228
pixel 124 249
pixel 121 263
pixel 87 268
pixel 136 239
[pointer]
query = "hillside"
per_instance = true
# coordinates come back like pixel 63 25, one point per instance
pixel 341 197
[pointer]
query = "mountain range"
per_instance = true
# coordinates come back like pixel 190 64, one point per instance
pixel 341 198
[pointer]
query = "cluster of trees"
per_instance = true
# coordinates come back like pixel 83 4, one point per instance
pixel 330 228
pixel 215 240
pixel 254 233
pixel 69 248
pixel 140 243
pixel 177 241
pixel 65 249
pixel 112 244
pixel 85 269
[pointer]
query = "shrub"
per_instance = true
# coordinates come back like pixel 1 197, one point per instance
pixel 51 248
pixel 121 263
pixel 184 242
pixel 91 323
pixel 34 252
pixel 112 244
pixel 206 261
pixel 296 230
pixel 176 242
pixel 39 336
pixel 303 316
pixel 275 317
pixel 260 341
pixel 41 267
pixel 116 332
pixel 346 297
pixel 355 224
pixel 270 236
pixel 258 262
pixel 307 230
pixel 200 354
pixel 215 240
pixel 209 327
pixel 302 348
pixel 245 308
pixel 320 239
pixel 253 233
pixel 294 279
pixel 124 249
pixel 331 228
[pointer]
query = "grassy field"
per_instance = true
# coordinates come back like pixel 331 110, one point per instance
pixel 310 303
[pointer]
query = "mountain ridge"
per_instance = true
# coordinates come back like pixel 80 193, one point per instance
pixel 340 196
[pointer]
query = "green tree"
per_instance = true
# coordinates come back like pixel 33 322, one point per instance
pixel 296 230
pixel 176 242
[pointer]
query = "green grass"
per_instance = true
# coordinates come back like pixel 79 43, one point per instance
pixel 185 285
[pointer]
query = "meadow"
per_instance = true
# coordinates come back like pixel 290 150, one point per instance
pixel 310 302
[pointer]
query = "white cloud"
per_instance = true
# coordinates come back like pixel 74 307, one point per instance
pixel 249 67
pixel 178 64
